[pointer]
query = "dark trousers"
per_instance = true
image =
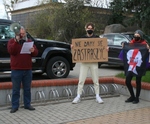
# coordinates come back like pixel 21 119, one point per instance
pixel 19 77
pixel 129 85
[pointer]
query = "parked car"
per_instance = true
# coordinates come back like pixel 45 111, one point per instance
pixel 54 57
pixel 114 42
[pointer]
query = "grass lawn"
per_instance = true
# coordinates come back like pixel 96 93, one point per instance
pixel 145 78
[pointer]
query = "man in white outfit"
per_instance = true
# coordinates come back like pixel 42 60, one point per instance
pixel 84 67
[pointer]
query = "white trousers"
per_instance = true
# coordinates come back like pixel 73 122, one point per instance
pixel 84 68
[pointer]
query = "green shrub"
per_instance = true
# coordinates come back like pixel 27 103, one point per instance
pixel 145 78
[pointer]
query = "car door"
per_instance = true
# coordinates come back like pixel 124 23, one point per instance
pixel 5 35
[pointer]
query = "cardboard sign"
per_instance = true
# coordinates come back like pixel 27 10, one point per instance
pixel 89 50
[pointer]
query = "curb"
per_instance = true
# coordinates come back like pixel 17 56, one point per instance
pixel 74 81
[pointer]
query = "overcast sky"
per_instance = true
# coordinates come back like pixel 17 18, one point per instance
pixel 2 10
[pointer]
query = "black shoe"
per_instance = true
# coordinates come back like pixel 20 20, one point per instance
pixel 13 110
pixel 29 108
pixel 131 99
pixel 136 101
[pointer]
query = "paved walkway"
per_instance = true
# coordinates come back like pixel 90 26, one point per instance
pixel 113 111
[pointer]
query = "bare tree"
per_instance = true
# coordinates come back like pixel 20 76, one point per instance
pixel 9 6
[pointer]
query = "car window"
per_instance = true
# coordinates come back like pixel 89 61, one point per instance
pixel 5 32
pixel 110 39
pixel 118 39
pixel 129 36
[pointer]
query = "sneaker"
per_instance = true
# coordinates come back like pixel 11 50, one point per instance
pixel 99 100
pixel 76 100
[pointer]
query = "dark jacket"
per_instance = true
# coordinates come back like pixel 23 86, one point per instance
pixel 93 36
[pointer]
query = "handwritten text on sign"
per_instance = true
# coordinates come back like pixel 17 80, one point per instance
pixel 89 50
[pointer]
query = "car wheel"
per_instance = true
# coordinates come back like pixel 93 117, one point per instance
pixel 57 67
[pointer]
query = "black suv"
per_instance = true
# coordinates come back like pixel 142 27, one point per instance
pixel 54 57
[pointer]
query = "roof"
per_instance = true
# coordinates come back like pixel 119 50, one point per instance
pixel 120 33
pixel 4 21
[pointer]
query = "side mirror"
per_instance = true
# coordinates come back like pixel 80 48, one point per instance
pixel 123 42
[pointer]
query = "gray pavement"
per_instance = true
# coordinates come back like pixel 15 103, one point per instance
pixel 113 111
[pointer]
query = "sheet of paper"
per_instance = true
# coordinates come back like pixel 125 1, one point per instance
pixel 25 48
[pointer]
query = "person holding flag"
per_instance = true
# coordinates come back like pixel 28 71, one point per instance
pixel 135 56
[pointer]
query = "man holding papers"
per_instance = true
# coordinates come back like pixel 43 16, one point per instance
pixel 21 50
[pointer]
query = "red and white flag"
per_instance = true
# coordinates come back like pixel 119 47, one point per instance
pixel 135 58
